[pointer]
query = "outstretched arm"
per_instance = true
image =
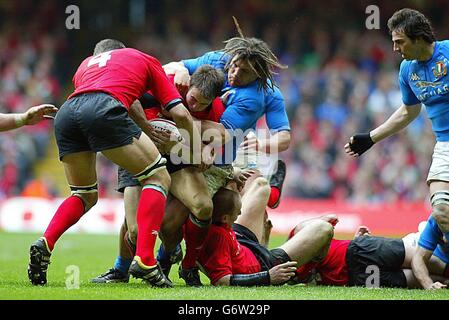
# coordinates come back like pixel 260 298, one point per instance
pixel 278 142
pixel 32 116
pixel 360 143
pixel 277 275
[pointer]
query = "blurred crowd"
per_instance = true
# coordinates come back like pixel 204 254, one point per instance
pixel 342 79
pixel 28 51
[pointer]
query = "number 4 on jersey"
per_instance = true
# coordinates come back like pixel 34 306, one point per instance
pixel 100 59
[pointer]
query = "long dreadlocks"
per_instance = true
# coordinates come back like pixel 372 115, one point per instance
pixel 259 56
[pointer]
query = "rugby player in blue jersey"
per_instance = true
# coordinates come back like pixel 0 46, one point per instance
pixel 432 243
pixel 423 79
pixel 249 64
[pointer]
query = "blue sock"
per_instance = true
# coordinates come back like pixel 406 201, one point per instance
pixel 162 254
pixel 122 265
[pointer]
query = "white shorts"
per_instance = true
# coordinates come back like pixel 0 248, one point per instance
pixel 253 159
pixel 439 170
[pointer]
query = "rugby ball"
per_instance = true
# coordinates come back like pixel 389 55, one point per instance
pixel 166 126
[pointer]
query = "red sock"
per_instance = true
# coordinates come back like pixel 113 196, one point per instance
pixel 274 196
pixel 194 235
pixel 150 212
pixel 68 213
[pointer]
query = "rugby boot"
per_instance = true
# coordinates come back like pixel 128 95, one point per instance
pixel 39 261
pixel 153 275
pixel 191 276
pixel 112 276
pixel 277 180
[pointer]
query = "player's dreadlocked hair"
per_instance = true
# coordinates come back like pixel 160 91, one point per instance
pixel 259 56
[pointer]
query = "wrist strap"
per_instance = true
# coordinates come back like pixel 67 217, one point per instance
pixel 19 119
pixel 253 279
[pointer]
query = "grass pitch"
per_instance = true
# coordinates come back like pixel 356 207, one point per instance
pixel 94 254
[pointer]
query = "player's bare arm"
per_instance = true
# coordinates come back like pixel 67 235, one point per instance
pixel 214 133
pixel 160 138
pixel 419 266
pixel 31 116
pixel 279 274
pixel 400 119
pixel 182 77
pixel 278 142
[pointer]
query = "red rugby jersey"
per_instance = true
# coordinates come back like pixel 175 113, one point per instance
pixel 333 270
pixel 126 74
pixel 212 113
pixel 223 255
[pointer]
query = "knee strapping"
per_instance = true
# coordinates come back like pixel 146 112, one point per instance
pixel 84 189
pixel 199 223
pixel 157 188
pixel 439 197
pixel 157 165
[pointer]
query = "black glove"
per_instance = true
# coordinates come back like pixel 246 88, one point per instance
pixel 360 142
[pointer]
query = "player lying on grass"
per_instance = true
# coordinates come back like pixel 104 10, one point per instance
pixel 188 182
pixel 232 253
pixel 367 261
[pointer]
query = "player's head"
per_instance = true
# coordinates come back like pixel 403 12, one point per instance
pixel 205 84
pixel 251 59
pixel 409 30
pixel 107 45
pixel 227 206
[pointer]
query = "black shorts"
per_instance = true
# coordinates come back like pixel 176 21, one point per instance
pixel 93 122
pixel 126 178
pixel 386 254
pixel 267 258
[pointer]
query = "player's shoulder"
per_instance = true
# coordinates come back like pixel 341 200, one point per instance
pixel 444 45
pixel 406 66
pixel 219 231
pixel 217 59
pixel 217 55
pixel 273 93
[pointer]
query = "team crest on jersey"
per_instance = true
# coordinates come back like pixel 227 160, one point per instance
pixel 440 69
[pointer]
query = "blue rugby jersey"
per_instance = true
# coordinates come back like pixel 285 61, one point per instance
pixel 245 104
pixel 427 82
pixel 432 239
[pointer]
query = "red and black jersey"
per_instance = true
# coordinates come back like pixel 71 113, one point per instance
pixel 223 255
pixel 333 270
pixel 126 74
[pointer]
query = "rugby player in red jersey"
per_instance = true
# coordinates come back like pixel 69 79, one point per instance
pixel 366 261
pixel 232 253
pixel 188 183
pixel 95 119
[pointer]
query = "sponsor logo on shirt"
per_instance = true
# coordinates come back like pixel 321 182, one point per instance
pixel 414 77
